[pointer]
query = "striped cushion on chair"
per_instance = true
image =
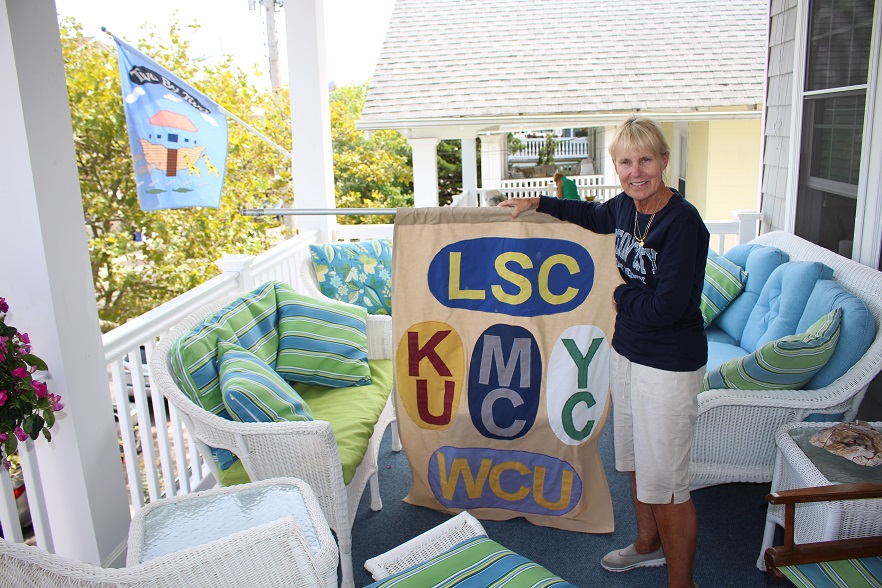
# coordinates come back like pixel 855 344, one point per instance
pixel 321 342
pixel 786 363
pixel 854 573
pixel 253 392
pixel 723 282
pixel 475 563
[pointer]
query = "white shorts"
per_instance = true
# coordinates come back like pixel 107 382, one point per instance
pixel 653 422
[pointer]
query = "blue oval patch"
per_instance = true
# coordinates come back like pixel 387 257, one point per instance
pixel 505 381
pixel 517 277
pixel 480 477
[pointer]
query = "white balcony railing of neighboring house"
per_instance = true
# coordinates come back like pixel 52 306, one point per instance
pixel 566 148
pixel 589 187
pixel 157 456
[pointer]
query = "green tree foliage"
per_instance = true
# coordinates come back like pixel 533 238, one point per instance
pixel 178 247
pixel 373 172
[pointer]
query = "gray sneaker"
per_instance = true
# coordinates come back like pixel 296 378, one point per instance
pixel 622 560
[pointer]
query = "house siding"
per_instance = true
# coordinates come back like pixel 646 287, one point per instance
pixel 779 109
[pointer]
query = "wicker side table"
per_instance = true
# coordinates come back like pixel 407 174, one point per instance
pixel 196 519
pixel 798 464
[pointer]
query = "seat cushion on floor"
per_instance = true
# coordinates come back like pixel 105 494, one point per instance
pixel 866 571
pixel 475 563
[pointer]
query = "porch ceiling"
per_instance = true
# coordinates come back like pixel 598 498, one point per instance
pixel 510 60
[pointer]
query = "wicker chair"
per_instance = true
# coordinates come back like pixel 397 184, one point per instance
pixel 794 560
pixel 735 430
pixel 305 450
pixel 274 554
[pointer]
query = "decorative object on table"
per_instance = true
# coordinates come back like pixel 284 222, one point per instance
pixel 857 441
pixel 27 408
pixel 502 333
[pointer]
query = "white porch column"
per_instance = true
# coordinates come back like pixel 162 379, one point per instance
pixel 470 169
pixel 312 160
pixel 425 172
pixel 493 160
pixel 609 170
pixel 46 278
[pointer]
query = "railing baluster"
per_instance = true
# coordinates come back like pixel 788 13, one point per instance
pixel 180 451
pixel 126 432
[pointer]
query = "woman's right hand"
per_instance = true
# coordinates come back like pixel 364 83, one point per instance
pixel 519 205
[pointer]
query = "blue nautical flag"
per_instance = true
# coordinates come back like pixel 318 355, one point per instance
pixel 178 135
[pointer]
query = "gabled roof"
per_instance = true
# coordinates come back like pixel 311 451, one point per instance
pixel 465 59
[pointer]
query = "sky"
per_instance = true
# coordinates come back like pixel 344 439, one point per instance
pixel 354 29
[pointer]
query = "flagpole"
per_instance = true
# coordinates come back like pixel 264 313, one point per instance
pixel 226 112
pixel 281 150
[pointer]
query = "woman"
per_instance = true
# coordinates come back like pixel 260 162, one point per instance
pixel 659 349
pixel 565 187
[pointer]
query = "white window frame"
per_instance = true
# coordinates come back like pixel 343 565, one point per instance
pixel 868 216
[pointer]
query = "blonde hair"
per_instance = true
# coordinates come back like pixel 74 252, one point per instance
pixel 639 132
pixel 557 175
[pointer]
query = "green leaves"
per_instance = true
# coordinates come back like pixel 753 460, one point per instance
pixel 35 361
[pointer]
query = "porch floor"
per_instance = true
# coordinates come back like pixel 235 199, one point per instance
pixel 731 518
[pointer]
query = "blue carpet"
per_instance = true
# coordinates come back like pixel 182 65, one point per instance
pixel 731 518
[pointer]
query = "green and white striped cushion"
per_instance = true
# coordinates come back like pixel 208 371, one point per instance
pixel 250 322
pixel 321 342
pixel 723 282
pixel 475 563
pixel 865 572
pixel 786 363
pixel 253 392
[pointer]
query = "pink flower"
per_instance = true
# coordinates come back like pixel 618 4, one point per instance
pixel 3 306
pixel 3 437
pixel 24 338
pixel 19 432
pixel 20 372
pixel 55 402
pixel 2 355
pixel 3 396
pixel 39 389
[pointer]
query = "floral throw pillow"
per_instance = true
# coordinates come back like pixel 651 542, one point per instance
pixel 358 273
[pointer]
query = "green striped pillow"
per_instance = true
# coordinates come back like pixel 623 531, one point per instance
pixel 786 363
pixel 478 561
pixel 321 342
pixel 253 392
pixel 723 282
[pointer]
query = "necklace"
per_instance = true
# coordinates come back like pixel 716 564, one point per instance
pixel 637 236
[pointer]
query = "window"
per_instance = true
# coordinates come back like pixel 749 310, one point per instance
pixel 834 105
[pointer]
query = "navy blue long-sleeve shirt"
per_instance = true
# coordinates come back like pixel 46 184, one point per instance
pixel 658 323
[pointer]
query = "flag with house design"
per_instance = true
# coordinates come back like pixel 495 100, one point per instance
pixel 502 336
pixel 178 136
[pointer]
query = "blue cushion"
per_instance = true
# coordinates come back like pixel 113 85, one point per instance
pixel 781 302
pixel 723 282
pixel 253 392
pixel 715 334
pixel 759 261
pixel 358 273
pixel 720 353
pixel 858 328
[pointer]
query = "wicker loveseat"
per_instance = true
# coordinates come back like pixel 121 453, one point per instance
pixel 309 450
pixel 735 429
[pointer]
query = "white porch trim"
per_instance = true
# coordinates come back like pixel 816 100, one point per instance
pixel 425 171
pixel 47 281
pixel 312 156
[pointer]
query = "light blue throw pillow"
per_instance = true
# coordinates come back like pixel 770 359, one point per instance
pixel 358 273
pixel 723 282
pixel 253 392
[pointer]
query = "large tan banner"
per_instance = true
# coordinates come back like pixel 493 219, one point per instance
pixel 503 332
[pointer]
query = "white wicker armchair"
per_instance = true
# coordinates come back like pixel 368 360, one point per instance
pixel 305 450
pixel 735 430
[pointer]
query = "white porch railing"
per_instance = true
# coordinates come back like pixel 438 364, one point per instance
pixel 589 187
pixel 158 458
pixel 566 148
